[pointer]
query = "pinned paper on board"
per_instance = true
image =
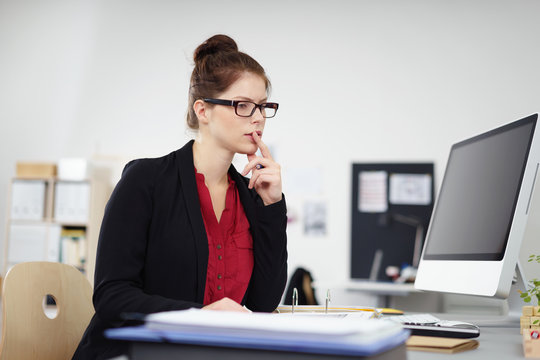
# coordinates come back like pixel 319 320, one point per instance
pixel 372 192
pixel 410 189
pixel 315 218
pixel 377 236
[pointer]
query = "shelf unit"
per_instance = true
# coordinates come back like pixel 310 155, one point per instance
pixel 50 219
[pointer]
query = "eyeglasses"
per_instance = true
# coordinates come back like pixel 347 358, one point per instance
pixel 247 108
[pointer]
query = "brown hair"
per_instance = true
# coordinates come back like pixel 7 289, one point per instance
pixel 218 64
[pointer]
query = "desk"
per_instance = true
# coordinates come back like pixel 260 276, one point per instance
pixel 383 294
pixel 385 289
pixel 379 287
pixel 495 343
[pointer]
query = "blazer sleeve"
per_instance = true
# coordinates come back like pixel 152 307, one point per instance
pixel 122 246
pixel 270 254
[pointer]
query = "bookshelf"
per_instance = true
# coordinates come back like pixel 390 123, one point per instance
pixel 50 219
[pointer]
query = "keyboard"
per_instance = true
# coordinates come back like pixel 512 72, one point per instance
pixel 429 325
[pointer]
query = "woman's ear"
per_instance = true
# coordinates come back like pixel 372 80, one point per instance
pixel 199 107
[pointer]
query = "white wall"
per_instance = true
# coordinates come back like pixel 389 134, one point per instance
pixel 380 80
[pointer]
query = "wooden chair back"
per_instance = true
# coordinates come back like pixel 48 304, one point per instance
pixel 27 332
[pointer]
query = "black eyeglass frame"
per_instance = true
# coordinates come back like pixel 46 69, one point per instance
pixel 234 103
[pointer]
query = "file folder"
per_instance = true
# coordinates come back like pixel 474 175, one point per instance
pixel 327 340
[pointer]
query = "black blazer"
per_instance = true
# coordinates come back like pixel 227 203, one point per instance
pixel 153 251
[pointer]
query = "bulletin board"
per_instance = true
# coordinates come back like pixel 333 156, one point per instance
pixel 389 201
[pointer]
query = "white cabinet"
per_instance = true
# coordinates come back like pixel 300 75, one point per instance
pixel 54 220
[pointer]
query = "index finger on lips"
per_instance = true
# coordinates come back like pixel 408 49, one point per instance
pixel 262 146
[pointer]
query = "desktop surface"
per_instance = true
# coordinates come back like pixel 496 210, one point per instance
pixel 494 343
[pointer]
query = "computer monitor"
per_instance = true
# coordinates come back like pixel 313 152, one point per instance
pixel 480 216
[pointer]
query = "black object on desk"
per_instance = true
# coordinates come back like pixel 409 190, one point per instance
pixel 429 325
pixel 444 329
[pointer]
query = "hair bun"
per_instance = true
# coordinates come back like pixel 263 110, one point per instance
pixel 215 44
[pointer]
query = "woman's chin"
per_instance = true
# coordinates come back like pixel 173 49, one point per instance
pixel 247 149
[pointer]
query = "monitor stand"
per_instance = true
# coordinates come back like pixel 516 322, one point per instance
pixel 515 304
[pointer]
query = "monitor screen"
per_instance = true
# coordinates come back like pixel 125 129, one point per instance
pixel 479 195
pixel 479 218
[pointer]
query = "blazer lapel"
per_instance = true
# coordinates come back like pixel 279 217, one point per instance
pixel 186 173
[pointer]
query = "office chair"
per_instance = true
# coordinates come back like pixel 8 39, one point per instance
pixel 302 280
pixel 27 332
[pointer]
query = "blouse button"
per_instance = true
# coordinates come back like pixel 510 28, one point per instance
pixel 220 257
pixel 219 276
pixel 219 247
pixel 219 287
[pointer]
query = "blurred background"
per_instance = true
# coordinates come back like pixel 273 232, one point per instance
pixel 357 81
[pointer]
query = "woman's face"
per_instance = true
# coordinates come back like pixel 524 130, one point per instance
pixel 229 130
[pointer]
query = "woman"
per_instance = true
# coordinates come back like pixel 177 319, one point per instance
pixel 187 230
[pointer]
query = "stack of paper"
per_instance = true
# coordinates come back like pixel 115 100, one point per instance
pixel 326 335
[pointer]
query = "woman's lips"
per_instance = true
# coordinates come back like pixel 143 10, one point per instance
pixel 250 135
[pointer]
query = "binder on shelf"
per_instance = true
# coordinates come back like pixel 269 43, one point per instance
pixel 73 246
pixel 33 242
pixel 71 201
pixel 53 243
pixel 27 242
pixel 28 199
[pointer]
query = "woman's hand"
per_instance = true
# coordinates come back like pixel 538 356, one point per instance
pixel 225 304
pixel 265 173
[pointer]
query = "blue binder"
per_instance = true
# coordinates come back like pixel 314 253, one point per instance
pixel 280 347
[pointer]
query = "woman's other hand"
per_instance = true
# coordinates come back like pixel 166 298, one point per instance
pixel 225 304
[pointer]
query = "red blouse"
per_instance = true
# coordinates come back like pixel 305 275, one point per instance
pixel 230 245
